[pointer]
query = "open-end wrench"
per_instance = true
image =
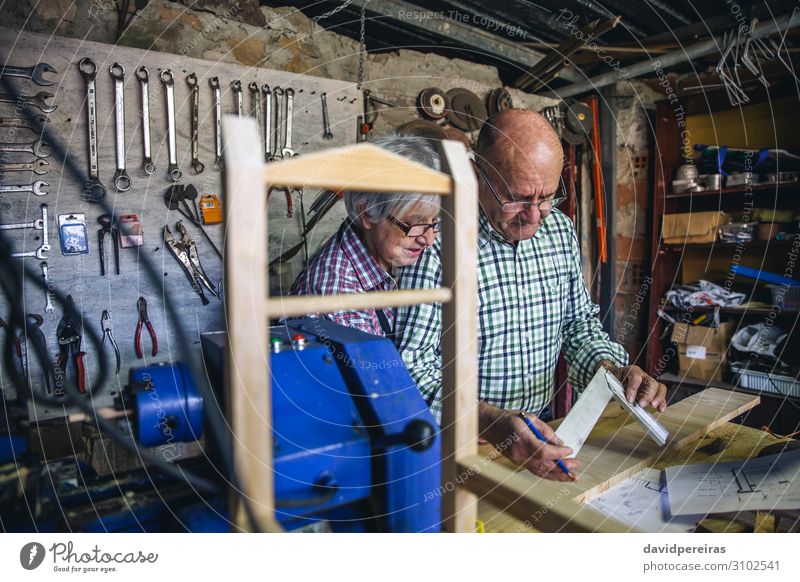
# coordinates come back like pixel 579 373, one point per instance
pixel 94 190
pixel 37 100
pixel 326 122
pixel 37 167
pixel 277 92
pixel 48 308
pixel 214 84
pixel 35 73
pixel 20 123
pixel 32 147
pixel 197 165
pixel 236 87
pixel 168 80
pixel 38 224
pixel 122 181
pixel 287 150
pixel 144 92
pixel 35 188
pixel 255 93
pixel 267 122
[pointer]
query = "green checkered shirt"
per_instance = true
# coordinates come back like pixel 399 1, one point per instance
pixel 532 304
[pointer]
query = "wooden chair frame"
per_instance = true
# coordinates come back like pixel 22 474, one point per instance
pixel 248 308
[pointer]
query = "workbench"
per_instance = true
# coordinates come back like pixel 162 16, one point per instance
pixel 728 442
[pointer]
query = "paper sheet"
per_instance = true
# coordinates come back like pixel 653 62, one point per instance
pixel 641 501
pixel 771 482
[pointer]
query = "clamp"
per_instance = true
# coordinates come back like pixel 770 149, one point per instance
pixel 144 321
pixel 185 252
pixel 69 342
pixel 105 324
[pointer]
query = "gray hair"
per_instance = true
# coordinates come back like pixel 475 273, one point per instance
pixel 378 205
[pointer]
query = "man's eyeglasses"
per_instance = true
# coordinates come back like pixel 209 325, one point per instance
pixel 415 230
pixel 521 205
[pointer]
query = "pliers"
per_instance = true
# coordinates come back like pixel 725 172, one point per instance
pixel 69 342
pixel 141 305
pixel 105 324
pixel 33 333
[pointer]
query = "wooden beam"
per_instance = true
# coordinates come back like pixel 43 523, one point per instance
pixel 247 367
pixel 300 305
pixel 361 167
pixel 459 336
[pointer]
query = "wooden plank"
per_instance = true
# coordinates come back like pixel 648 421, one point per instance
pixel 247 367
pixel 292 306
pixel 613 458
pixel 459 336
pixel 538 503
pixel 362 167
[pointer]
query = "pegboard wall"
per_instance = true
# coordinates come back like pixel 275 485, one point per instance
pixel 80 275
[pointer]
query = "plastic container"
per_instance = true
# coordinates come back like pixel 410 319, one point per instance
pixel 763 382
pixel 737 232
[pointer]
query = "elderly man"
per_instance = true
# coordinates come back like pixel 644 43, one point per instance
pixel 532 301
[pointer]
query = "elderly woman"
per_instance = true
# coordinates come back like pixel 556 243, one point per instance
pixel 382 232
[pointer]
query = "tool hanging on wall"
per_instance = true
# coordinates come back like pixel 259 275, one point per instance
pixel 35 73
pixel 499 99
pixel 144 321
pixel 94 190
pixel 371 112
pixel 168 81
pixel 48 308
pixel 108 334
pixel 34 148
pixel 39 100
pixel 465 110
pixel 38 224
pixel 122 182
pixel 432 103
pixel 326 121
pixel 175 199
pixel 33 124
pixel 33 333
pixel 108 226
pixel 197 165
pixel 144 96
pixel 597 182
pixel 69 342
pixel 185 252
pixel 213 82
pixel 35 188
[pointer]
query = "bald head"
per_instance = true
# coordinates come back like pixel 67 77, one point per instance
pixel 518 140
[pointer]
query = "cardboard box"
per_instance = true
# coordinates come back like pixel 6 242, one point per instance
pixel 702 350
pixel 692 227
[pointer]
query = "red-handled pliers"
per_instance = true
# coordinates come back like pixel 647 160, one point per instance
pixel 69 347
pixel 141 305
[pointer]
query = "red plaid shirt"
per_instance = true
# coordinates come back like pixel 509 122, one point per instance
pixel 344 265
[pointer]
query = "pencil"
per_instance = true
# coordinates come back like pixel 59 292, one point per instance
pixel 539 436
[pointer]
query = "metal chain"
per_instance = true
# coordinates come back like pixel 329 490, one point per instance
pixel 330 13
pixel 362 46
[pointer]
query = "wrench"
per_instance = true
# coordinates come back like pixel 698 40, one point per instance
pixel 197 165
pixel 144 85
pixel 33 147
pixel 94 190
pixel 122 182
pixel 35 73
pixel 18 123
pixel 168 80
pixel 277 92
pixel 268 156
pixel 255 93
pixel 37 100
pixel 236 86
pixel 49 307
pixel 287 141
pixel 35 188
pixel 38 224
pixel 326 122
pixel 214 83
pixel 38 167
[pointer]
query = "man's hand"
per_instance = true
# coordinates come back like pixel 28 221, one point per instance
pixel 640 387
pixel 511 436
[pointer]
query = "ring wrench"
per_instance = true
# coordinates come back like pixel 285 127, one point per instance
pixel 277 92
pixel 236 87
pixel 46 279
pixel 32 147
pixel 197 165
pixel 94 191
pixel 214 84
pixel 267 123
pixel 144 90
pixel 34 188
pixel 37 100
pixel 37 167
pixel 38 224
pixel 255 93
pixel 168 80
pixel 287 141
pixel 19 123
pixel 35 73
pixel 122 182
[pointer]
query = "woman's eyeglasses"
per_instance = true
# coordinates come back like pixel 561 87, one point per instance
pixel 415 230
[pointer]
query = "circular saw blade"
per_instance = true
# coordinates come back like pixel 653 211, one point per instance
pixel 499 100
pixel 432 103
pixel 465 110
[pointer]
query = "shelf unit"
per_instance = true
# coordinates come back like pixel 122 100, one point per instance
pixel 673 262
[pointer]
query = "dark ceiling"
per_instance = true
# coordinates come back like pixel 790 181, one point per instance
pixel 646 28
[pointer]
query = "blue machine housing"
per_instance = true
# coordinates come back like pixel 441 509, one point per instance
pixel 354 442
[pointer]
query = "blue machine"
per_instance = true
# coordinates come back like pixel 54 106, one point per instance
pixel 355 446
